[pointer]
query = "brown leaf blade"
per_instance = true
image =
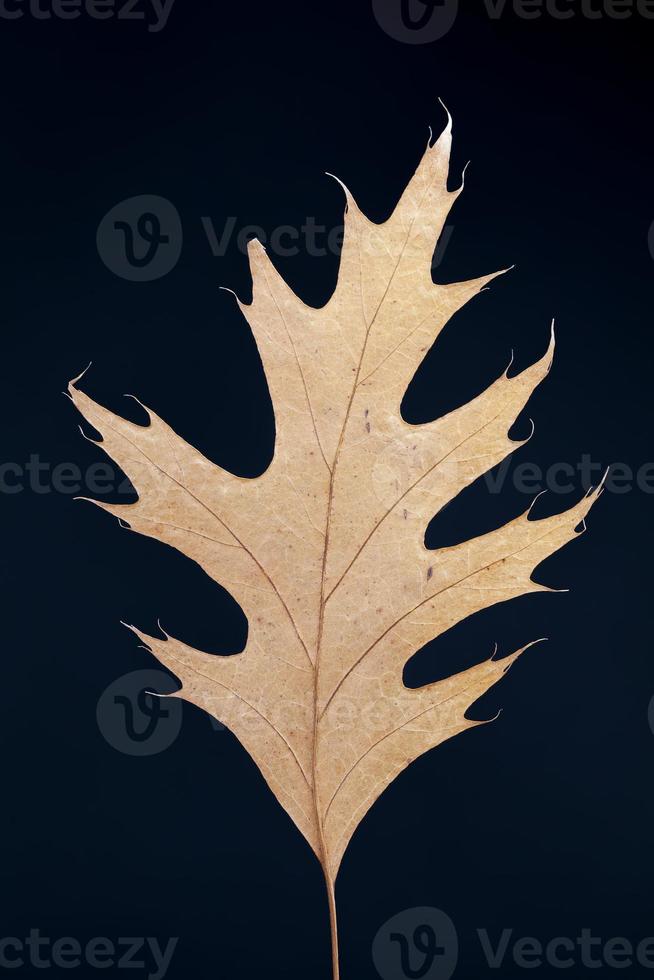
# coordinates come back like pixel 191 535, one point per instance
pixel 325 550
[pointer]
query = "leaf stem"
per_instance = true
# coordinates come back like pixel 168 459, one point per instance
pixel 333 923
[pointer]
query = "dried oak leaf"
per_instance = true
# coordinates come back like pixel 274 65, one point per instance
pixel 325 550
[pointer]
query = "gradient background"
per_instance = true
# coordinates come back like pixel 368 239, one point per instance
pixel 541 822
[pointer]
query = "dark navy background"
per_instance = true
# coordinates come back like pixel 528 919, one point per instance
pixel 541 822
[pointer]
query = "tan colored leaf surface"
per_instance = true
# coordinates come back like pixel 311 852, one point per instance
pixel 325 550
